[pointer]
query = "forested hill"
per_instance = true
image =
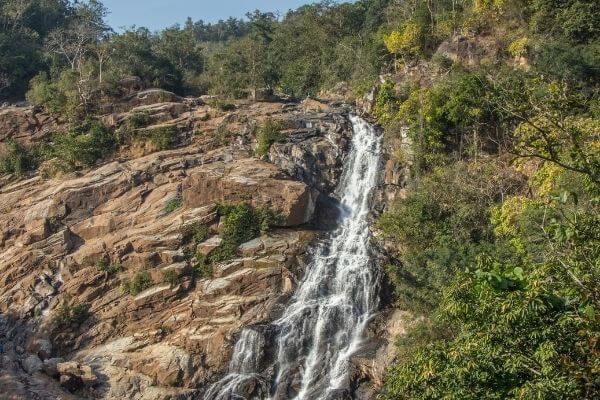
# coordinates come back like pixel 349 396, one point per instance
pixel 64 43
pixel 491 112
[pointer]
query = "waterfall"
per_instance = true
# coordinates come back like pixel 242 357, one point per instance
pixel 243 369
pixel 323 325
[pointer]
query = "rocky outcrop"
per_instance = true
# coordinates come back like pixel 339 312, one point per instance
pixel 72 248
pixel 250 180
pixel 313 152
pixel 24 124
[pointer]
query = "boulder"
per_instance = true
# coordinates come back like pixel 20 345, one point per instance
pixel 254 181
pixel 131 84
pixel 207 247
pixel 168 365
pixel 32 364
pixel 41 347
pixel 252 247
pixel 75 376
pixel 51 367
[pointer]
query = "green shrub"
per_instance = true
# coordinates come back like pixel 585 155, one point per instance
pixel 268 133
pixel 202 269
pixel 16 160
pixel 223 135
pixel 162 138
pixel 221 105
pixel 241 223
pixel 195 232
pixel 105 266
pixel 140 282
pixel 70 314
pixel 58 97
pixel 139 119
pixel 441 225
pixel 450 117
pixel 386 102
pixel 535 315
pixel 171 277
pixel 82 146
pixel 173 204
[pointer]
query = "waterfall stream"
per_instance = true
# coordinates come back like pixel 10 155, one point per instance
pixel 323 325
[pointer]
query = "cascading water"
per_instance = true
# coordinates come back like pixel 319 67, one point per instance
pixel 324 323
pixel 242 368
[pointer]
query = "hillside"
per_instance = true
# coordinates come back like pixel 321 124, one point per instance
pixel 370 200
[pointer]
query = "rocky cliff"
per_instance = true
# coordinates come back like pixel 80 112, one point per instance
pixel 72 247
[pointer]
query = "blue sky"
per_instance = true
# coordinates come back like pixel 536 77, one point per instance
pixel 157 14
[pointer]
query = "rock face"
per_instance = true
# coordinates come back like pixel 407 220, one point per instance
pixel 312 157
pixel 72 249
pixel 257 182
pixel 24 124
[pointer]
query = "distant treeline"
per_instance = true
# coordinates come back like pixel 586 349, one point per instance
pixel 69 59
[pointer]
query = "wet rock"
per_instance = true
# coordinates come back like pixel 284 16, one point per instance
pixel 32 364
pixel 314 154
pixel 339 394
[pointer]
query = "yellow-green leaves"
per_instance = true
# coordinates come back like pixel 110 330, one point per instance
pixel 405 41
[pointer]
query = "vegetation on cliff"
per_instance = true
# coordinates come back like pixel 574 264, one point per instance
pixel 497 236
pixel 498 232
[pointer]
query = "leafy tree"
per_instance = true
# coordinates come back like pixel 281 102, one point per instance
pixel 135 54
pixel 528 327
pixel 23 27
pixel 554 123
pixel 405 43
pixel 441 226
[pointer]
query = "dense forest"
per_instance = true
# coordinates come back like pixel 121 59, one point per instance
pixel 497 234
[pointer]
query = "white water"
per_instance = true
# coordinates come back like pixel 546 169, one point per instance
pixel 323 325
pixel 243 368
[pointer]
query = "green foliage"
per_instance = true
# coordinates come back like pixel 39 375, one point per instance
pixel 241 223
pixel 24 26
pixel 162 138
pixel 141 53
pixel 106 266
pixel 171 277
pixel 406 42
pixel 80 147
pixel 173 204
pixel 16 159
pixel 268 133
pixel 386 102
pixel 140 282
pixel 202 269
pixel 195 233
pixel 139 119
pixel 68 314
pixel 451 116
pixel 59 97
pixel 527 326
pixel 441 226
pixel 221 105
pixel 555 122
pixel 575 20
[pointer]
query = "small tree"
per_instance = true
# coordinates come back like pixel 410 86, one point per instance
pixel 404 43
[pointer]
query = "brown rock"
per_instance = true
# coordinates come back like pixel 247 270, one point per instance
pixel 254 181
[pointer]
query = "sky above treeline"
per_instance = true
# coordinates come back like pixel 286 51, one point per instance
pixel 159 14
